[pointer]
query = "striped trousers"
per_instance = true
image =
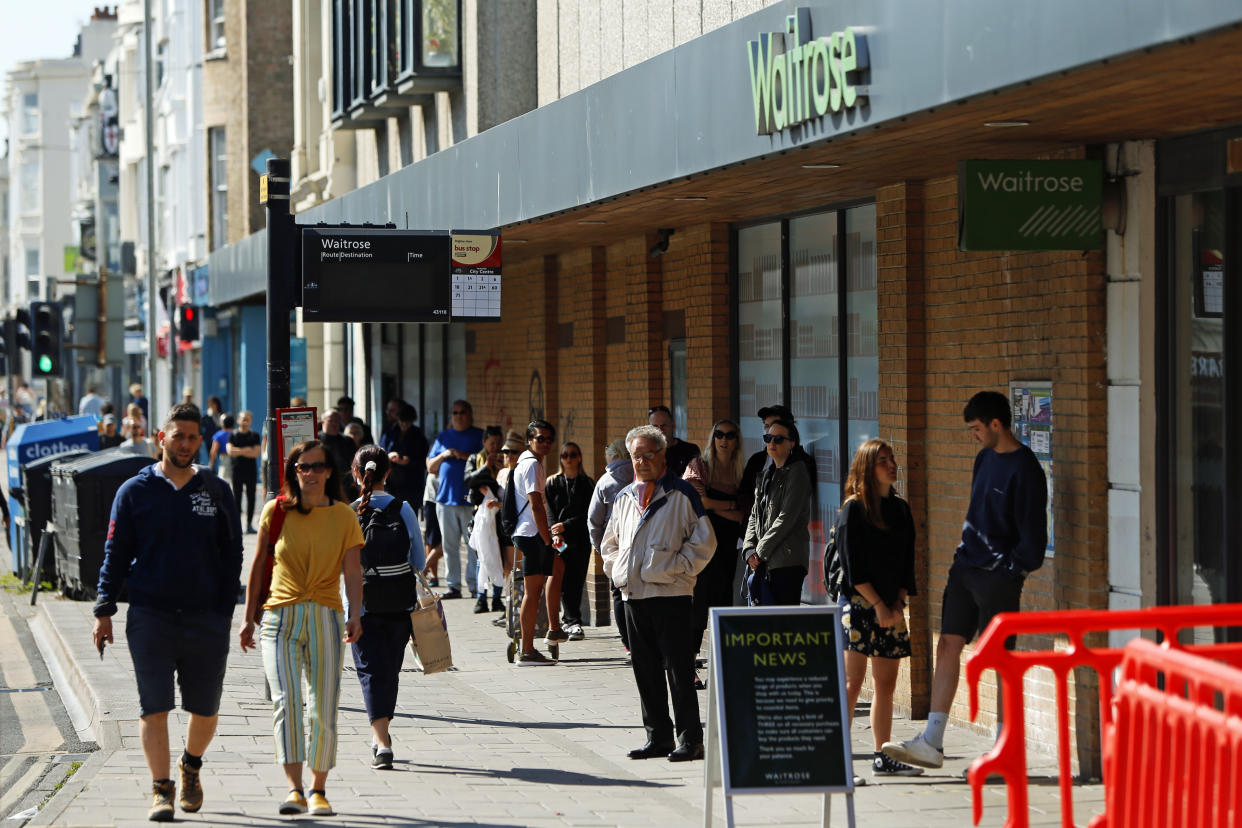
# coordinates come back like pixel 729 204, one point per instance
pixel 296 639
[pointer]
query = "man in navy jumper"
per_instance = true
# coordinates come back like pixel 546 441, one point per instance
pixel 1003 539
pixel 175 536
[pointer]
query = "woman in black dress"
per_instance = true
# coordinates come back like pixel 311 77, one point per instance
pixel 568 497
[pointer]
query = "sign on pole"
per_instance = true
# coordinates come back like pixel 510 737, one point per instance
pixel 777 718
pixel 293 426
pixel 1031 205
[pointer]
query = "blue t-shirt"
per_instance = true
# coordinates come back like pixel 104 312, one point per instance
pixel 221 439
pixel 452 474
pixel 1006 524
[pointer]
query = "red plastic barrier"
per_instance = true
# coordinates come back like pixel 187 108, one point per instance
pixel 1173 758
pixel 1008 756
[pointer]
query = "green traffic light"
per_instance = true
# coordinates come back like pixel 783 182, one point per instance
pixel 45 364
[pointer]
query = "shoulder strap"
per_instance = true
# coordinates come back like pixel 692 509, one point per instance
pixel 277 524
pixel 393 509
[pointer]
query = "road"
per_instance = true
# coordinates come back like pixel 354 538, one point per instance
pixel 38 744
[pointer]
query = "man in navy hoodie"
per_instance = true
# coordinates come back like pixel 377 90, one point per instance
pixel 1003 539
pixel 175 536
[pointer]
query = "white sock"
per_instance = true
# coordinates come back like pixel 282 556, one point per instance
pixel 934 732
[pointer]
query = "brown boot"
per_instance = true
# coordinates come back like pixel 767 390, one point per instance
pixel 162 795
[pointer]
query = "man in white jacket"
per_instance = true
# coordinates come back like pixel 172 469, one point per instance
pixel 656 543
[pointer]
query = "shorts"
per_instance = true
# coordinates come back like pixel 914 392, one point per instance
pixel 537 557
pixel 193 645
pixel 863 633
pixel 431 528
pixel 973 597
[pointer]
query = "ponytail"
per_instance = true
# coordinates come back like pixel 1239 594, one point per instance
pixel 370 467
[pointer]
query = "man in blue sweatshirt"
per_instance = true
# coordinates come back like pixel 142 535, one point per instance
pixel 175 536
pixel 1003 539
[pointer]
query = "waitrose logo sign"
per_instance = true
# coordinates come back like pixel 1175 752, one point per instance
pixel 795 77
pixel 1031 205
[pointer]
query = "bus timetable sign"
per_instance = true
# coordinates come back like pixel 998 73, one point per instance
pixel 365 274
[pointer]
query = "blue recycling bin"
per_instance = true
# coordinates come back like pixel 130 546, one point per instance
pixel 30 441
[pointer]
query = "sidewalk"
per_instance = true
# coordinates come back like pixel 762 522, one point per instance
pixel 488 744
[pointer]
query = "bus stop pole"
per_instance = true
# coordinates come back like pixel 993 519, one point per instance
pixel 281 253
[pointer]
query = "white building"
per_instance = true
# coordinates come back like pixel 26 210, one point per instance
pixel 41 96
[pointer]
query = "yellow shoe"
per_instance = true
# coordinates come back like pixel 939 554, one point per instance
pixel 295 803
pixel 319 804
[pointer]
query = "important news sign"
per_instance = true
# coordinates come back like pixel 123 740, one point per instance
pixel 780 697
pixel 362 274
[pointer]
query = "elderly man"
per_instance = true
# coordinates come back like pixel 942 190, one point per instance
pixel 656 543
pixel 618 474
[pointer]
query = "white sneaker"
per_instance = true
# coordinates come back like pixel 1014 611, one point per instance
pixel 916 751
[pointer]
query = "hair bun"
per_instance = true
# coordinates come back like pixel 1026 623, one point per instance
pixel 370 466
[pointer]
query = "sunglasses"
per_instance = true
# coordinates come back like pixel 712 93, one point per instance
pixel 510 451
pixel 776 438
pixel 725 435
pixel 460 413
pixel 309 468
pixel 541 439
pixel 648 457
pixel 572 455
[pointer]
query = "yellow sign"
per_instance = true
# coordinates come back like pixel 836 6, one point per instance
pixel 263 189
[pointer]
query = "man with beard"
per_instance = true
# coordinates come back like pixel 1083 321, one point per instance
pixel 175 536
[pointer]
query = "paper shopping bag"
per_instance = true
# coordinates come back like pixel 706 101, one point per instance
pixel 431 638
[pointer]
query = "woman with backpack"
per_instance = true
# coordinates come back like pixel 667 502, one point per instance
pixel 313 539
pixel 392 554
pixel 875 542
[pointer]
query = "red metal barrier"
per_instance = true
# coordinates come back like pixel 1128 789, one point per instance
pixel 1008 756
pixel 1173 757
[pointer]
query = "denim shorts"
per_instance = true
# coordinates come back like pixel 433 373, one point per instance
pixel 191 645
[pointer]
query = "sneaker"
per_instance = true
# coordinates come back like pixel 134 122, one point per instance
pixel 381 758
pixel 860 781
pixel 319 805
pixel 480 606
pixel 453 592
pixel 575 632
pixel 916 751
pixel 295 803
pixel 191 789
pixel 498 605
pixel 888 766
pixel 534 659
pixel 162 794
pixel 554 636
pixel 250 530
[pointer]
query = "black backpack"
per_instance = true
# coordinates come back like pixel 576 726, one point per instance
pixel 387 578
pixel 510 514
pixel 834 567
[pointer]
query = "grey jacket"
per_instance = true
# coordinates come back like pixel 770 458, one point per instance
pixel 778 527
pixel 658 553
pixel 618 475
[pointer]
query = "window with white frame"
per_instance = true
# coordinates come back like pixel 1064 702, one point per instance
pixel 219 189
pixel 32 261
pixel 215 25
pixel 30 185
pixel 30 113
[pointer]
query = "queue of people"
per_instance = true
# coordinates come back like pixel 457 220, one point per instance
pixel 673 542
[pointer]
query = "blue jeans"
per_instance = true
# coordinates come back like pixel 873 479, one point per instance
pixel 453 523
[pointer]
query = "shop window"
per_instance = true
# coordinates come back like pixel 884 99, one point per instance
pixel 797 279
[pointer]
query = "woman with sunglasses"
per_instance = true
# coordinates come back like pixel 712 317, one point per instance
pixel 715 475
pixel 777 544
pixel 568 497
pixel 875 536
pixel 304 627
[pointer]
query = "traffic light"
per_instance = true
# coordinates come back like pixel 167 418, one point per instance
pixel 187 323
pixel 21 332
pixel 46 330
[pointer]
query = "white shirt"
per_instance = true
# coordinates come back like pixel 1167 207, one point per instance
pixel 528 477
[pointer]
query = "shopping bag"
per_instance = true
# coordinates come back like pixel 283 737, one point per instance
pixel 483 540
pixel 431 639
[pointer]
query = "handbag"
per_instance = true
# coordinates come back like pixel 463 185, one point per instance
pixel 269 562
pixel 430 639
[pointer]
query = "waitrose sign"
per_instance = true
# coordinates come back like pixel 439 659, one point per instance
pixel 1031 205
pixel 795 77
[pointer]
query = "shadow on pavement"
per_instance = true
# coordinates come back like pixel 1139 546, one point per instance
pixel 543 776
pixel 459 720
pixel 343 818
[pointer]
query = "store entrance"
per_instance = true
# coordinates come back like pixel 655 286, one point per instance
pixel 1202 410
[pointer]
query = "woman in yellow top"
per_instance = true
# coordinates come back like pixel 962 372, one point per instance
pixel 304 628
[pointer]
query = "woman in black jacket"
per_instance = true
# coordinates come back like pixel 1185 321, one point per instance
pixel 777 544
pixel 568 498
pixel 875 537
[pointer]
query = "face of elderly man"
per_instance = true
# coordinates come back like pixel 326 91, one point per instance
pixel 649 463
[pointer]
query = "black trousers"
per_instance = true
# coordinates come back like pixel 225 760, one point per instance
pixel 714 588
pixel 577 558
pixel 618 614
pixel 245 482
pixel 661 634
pixel 378 656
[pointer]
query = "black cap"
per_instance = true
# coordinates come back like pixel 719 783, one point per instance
pixel 345 401
pixel 777 410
